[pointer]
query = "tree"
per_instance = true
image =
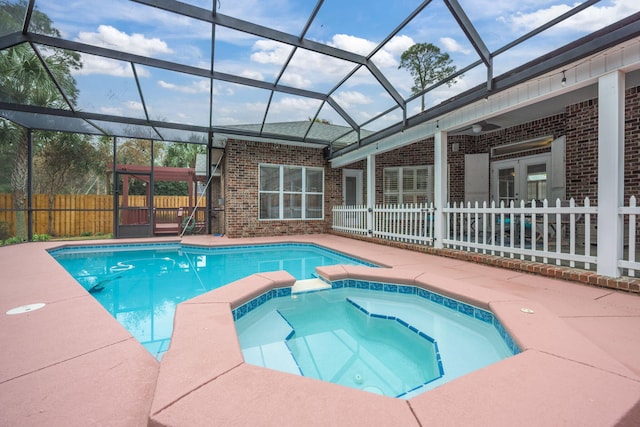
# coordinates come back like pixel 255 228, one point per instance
pixel 319 120
pixel 178 155
pixel 182 155
pixel 427 65
pixel 63 164
pixel 24 80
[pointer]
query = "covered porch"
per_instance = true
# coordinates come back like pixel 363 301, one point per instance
pixel 596 234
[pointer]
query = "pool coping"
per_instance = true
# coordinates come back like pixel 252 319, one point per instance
pixel 205 364
pixel 71 363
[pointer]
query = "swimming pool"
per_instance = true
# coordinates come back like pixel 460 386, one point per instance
pixel 140 285
pixel 387 339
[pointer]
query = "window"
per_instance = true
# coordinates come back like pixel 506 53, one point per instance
pixel 291 192
pixel 537 182
pixel 412 184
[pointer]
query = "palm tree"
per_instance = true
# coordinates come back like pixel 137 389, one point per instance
pixel 25 80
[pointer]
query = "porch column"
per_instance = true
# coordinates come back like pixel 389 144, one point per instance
pixel 440 187
pixel 371 190
pixel 610 172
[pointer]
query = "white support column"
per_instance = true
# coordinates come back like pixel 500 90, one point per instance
pixel 371 190
pixel 611 89
pixel 440 186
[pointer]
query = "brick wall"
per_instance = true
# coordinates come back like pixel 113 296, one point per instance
pixel 241 190
pixel 578 123
pixel 553 125
pixel 582 148
pixel 421 153
pixel 632 143
pixel 581 153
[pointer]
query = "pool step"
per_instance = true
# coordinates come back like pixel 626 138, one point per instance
pixel 308 285
pixel 271 327
pixel 275 355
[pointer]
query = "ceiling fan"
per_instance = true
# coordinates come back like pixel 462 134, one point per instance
pixel 482 126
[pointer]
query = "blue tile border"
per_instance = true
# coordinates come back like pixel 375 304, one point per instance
pixel 242 310
pixel 290 246
pixel 450 303
pixel 82 249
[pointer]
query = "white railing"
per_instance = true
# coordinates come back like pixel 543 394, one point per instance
pixel 562 233
pixel 537 232
pixel 629 217
pixel 409 223
pixel 350 219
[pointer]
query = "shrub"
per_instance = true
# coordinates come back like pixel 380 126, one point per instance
pixel 13 240
pixel 4 231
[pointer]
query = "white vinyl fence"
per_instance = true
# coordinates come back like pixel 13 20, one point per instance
pixel 350 219
pixel 536 232
pixel 562 233
pixel 409 223
pixel 629 215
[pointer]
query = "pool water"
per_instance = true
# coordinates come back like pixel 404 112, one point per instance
pixel 387 343
pixel 140 285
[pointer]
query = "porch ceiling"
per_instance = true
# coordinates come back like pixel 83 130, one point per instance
pixel 301 72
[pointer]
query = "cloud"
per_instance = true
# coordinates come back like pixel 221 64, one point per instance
pixel 110 37
pixel 398 44
pixel 296 80
pixel 124 109
pixel 112 111
pixel 200 86
pixel 92 64
pixel 387 57
pixel 297 107
pixel 352 44
pixel 450 45
pixel 270 52
pixel 591 19
pixel 306 70
pixel 134 105
pixel 253 74
pixel 311 70
pixel 285 109
pixel 348 99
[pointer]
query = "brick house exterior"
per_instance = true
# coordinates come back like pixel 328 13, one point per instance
pixel 578 123
pixel 241 188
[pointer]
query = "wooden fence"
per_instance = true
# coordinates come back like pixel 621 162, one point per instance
pixel 77 214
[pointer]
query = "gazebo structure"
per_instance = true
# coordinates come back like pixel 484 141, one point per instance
pixel 144 214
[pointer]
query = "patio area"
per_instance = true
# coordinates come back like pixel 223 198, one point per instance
pixel 70 363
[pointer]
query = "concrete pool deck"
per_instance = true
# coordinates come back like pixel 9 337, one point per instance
pixel 70 363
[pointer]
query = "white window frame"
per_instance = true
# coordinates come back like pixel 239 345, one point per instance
pixel 408 195
pixel 281 192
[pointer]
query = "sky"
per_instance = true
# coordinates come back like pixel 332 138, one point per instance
pixel 359 26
